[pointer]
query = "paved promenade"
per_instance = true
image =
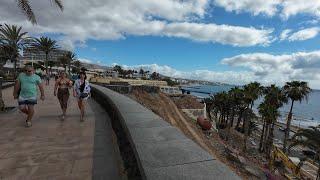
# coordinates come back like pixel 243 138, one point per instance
pixel 52 149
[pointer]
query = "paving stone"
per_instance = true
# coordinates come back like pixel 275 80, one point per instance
pixel 52 170
pixel 18 173
pixel 82 165
pixel 105 166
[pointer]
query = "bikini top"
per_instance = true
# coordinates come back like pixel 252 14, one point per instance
pixel 63 83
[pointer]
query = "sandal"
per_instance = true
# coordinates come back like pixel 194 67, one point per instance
pixel 28 124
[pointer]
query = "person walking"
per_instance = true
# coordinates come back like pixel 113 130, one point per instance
pixel 25 90
pixel 81 90
pixel 47 78
pixel 62 85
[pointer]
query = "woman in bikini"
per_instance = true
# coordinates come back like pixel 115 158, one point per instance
pixel 81 90
pixel 62 85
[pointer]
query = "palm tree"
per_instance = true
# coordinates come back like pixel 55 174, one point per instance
pixel 269 110
pixel 70 56
pixel 14 39
pixel 5 54
pixel 253 92
pixel 64 61
pixel 25 7
pixel 46 45
pixel 309 138
pixel 296 91
pixel 248 115
pixel 118 69
pixel 240 102
pixel 77 65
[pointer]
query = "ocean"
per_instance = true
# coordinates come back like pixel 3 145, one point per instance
pixel 306 113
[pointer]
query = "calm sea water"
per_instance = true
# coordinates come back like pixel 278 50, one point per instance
pixel 306 113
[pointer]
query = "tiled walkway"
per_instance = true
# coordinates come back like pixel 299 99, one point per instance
pixel 52 149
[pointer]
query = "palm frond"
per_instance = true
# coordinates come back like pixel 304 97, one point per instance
pixel 307 137
pixel 25 7
pixel 59 4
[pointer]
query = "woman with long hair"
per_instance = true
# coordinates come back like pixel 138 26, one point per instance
pixel 81 90
pixel 62 85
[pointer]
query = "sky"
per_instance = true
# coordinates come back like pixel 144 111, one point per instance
pixel 237 42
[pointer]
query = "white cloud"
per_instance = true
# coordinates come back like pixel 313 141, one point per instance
pixel 110 20
pixel 66 44
pixel 304 34
pixel 285 33
pixel 224 34
pixel 256 7
pixel 278 69
pixel 294 7
pixel 284 8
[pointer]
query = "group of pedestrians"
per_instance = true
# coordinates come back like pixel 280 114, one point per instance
pixel 27 83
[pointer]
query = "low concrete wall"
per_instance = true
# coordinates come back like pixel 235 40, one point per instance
pixel 151 148
pixel 123 89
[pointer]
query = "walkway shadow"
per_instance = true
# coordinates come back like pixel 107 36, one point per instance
pixel 105 155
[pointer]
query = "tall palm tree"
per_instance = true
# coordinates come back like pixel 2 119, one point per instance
pixel 296 91
pixel 248 115
pixel 308 138
pixel 63 61
pixel 269 110
pixel 13 37
pixel 77 65
pixel 26 8
pixel 46 45
pixel 71 57
pixel 253 92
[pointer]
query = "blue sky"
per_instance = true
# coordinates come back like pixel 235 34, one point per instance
pixel 216 40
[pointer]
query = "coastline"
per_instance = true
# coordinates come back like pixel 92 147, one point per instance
pixel 305 113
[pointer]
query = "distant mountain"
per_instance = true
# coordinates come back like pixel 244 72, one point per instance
pixel 95 66
pixel 194 81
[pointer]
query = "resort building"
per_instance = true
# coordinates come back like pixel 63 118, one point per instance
pixel 34 55
pixel 170 90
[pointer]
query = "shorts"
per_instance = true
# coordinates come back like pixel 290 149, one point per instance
pixel 27 101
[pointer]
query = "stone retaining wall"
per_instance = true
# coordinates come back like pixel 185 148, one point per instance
pixel 151 148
